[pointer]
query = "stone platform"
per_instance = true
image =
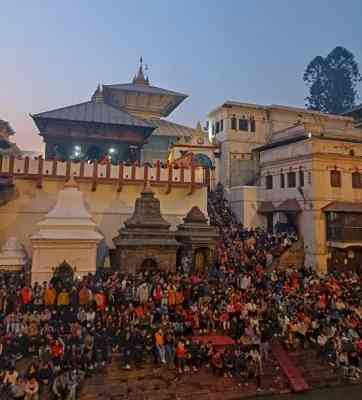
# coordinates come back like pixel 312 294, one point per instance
pixel 150 383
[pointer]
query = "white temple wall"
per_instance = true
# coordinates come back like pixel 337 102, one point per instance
pixel 108 207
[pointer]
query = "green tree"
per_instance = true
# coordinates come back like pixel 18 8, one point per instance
pixel 332 82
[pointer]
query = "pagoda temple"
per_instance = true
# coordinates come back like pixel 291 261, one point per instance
pixel 121 122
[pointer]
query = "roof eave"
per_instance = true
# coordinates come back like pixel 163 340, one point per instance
pixel 232 103
pixel 172 106
pixel 148 126
pixel 139 90
pixel 279 143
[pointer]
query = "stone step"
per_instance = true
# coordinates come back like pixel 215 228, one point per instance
pixel 115 383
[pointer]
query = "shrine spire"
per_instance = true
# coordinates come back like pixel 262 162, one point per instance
pixel 140 78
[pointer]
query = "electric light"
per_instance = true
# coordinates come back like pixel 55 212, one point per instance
pixel 112 150
pixel 77 148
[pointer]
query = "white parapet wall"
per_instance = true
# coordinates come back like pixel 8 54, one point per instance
pixel 109 192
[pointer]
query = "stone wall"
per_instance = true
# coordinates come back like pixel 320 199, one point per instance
pixel 164 257
pixel 36 195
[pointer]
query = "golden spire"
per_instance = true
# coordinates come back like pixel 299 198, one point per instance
pixel 140 79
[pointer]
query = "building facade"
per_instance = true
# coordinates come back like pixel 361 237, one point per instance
pixel 311 181
pixel 239 128
pixel 291 168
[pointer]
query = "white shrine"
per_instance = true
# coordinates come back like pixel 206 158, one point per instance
pixel 67 233
pixel 13 257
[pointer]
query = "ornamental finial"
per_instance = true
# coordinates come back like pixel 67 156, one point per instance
pixel 140 79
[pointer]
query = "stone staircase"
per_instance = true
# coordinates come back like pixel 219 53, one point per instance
pixel 151 383
pixel 293 256
pixel 317 372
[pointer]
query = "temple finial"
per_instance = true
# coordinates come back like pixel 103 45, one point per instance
pixel 140 79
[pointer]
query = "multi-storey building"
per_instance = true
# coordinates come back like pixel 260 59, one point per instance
pixel 241 127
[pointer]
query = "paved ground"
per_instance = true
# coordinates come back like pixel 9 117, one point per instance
pixel 152 383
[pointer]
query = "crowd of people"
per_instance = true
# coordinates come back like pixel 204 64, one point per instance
pixel 71 329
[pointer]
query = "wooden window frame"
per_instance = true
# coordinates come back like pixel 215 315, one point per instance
pixel 269 182
pixel 282 180
pixel 301 178
pixel 252 124
pixel 356 180
pixel 291 179
pixel 335 178
pixel 243 124
pixel 233 123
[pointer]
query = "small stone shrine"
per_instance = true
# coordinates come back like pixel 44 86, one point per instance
pixel 66 235
pixel 13 257
pixel 146 241
pixel 197 239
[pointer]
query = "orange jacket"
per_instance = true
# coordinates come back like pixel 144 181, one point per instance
pixel 159 339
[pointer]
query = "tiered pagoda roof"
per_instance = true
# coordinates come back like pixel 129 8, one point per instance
pixel 134 104
pixel 140 98
pixel 93 111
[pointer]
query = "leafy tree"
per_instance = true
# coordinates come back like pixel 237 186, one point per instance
pixel 332 82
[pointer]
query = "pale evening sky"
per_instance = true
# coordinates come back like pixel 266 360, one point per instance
pixel 55 53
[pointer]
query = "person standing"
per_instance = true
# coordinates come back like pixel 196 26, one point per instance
pixel 160 345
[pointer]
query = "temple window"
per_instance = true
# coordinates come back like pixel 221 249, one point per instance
pixel 336 179
pixel 291 176
pixel 221 125
pixel 233 123
pixel 252 124
pixel 269 181
pixel 282 180
pixel 217 127
pixel 301 178
pixel 356 180
pixel 243 124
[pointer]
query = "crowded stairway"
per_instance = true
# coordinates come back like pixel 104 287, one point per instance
pixel 69 331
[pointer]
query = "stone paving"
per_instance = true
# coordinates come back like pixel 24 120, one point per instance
pixel 151 383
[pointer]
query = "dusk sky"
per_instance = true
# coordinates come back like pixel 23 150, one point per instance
pixel 54 54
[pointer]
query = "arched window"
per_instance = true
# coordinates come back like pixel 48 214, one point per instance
pixel 203 160
pixel 282 180
pixel 336 179
pixel 291 178
pixel 252 125
pixel 233 123
pixel 269 182
pixel 217 127
pixel 301 178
